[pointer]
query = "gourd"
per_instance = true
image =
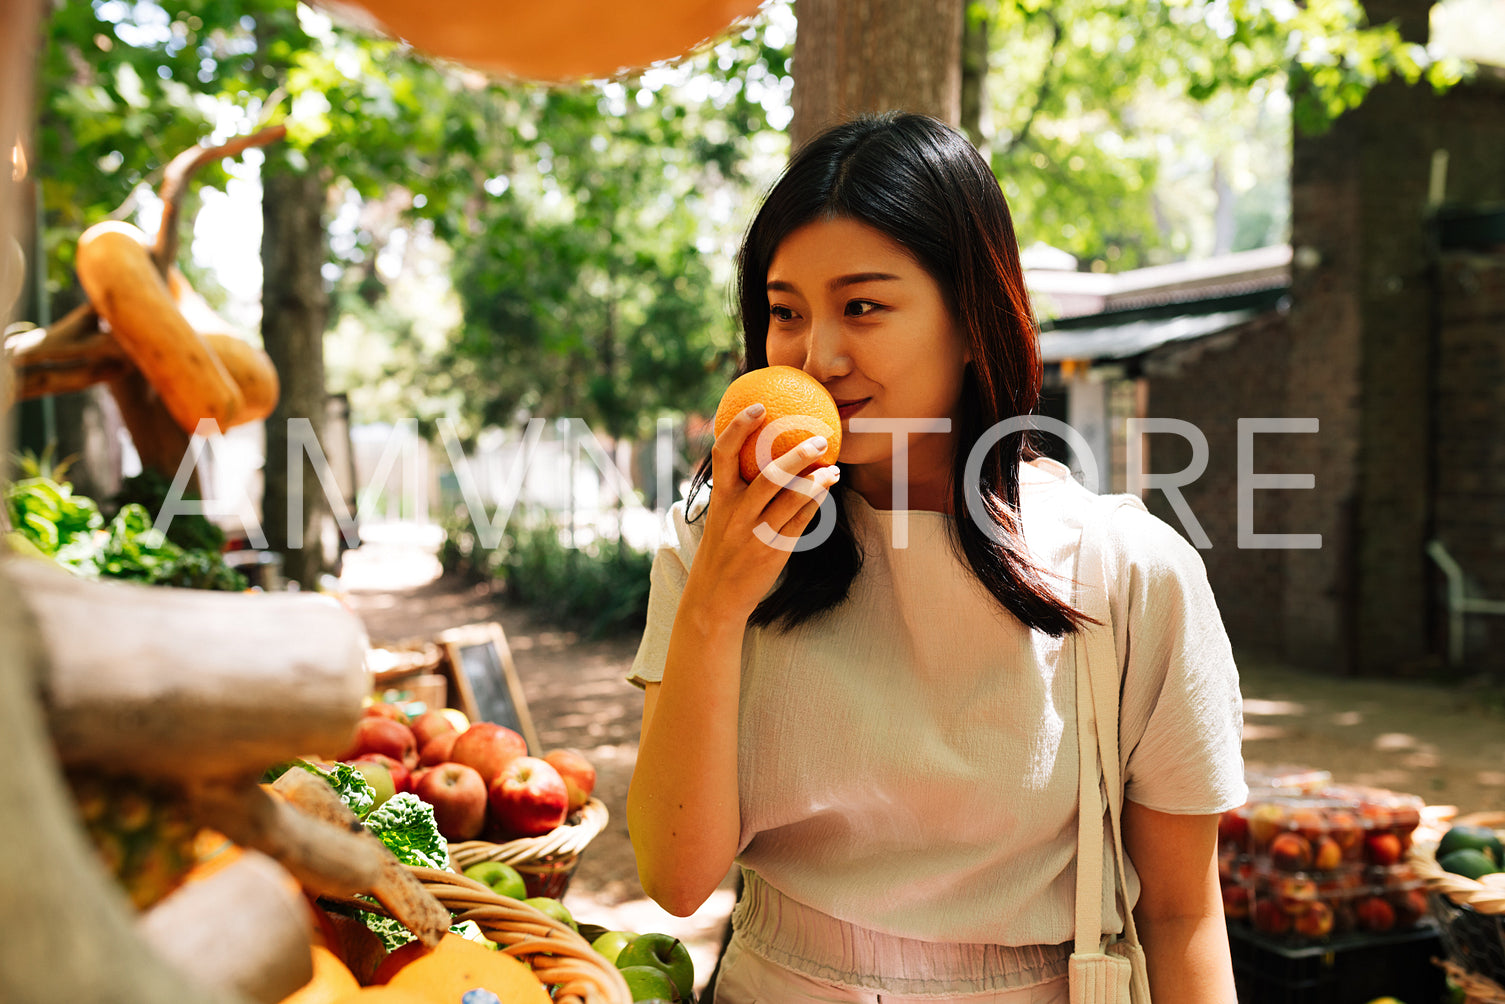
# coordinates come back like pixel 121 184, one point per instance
pixel 249 366
pixel 116 270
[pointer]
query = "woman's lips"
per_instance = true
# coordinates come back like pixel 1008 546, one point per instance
pixel 846 409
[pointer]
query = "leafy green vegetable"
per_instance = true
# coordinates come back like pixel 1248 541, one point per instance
pixel 49 516
pixel 350 784
pixel 70 529
pixel 190 531
pixel 405 823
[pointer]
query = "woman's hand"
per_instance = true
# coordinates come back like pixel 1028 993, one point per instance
pixel 682 808
pixel 751 528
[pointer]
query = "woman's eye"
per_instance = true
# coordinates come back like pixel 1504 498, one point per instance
pixel 861 308
pixel 779 313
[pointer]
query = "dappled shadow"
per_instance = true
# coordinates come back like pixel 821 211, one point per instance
pixel 1432 740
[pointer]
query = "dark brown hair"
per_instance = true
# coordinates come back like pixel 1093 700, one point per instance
pixel 924 186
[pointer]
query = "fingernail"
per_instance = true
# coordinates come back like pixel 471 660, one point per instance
pixel 816 444
pixel 755 410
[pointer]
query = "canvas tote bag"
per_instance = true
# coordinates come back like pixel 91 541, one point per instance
pixel 1113 973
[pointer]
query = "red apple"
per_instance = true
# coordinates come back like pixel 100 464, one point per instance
pixel 1265 820
pixel 1316 922
pixel 402 777
pixel 418 773
pixel 430 724
pixel 1375 914
pixel 489 748
pixel 381 709
pixel 1326 854
pixel 1410 907
pixel 1384 849
pixel 1296 894
pixel 1235 901
pixel 459 798
pixel 1291 852
pixel 529 798
pixel 1233 827
pixel 1270 918
pixel 378 734
pixel 437 750
pixel 579 776
pixel 396 959
pixel 1344 827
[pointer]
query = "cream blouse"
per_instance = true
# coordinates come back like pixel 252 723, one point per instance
pixel 908 762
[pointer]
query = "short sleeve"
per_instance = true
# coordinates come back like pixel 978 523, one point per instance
pixel 666 583
pixel 1181 716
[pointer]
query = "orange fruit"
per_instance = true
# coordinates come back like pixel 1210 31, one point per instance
pixel 383 995
pixel 331 981
pixel 456 964
pixel 798 407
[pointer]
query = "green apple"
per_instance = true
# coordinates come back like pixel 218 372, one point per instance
pixel 611 944
pixel 552 908
pixel 501 879
pixel 378 777
pixel 650 983
pixel 662 951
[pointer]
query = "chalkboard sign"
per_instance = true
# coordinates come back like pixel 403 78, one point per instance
pixel 484 680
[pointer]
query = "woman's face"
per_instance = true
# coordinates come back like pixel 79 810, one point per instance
pixel 853 309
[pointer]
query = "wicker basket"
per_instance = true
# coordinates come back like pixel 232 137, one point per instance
pixel 546 863
pixel 1470 915
pixel 561 959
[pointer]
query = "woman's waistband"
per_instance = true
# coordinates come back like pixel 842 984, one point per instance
pixel 804 939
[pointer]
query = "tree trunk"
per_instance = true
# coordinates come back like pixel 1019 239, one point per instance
pixel 854 56
pixel 295 309
pixel 974 76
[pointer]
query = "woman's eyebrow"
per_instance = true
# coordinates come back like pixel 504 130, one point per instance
pixel 857 278
pixel 861 277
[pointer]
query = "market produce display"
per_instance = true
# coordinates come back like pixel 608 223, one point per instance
pixel 50 520
pixel 1306 863
pixel 1467 885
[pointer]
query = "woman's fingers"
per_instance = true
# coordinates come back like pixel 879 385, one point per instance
pixel 793 508
pixel 725 465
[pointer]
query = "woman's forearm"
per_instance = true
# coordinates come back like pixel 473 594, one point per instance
pixel 1187 958
pixel 682 809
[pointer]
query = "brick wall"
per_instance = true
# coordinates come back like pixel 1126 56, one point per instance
pixel 1211 385
pixel 1469 503
pixel 1371 330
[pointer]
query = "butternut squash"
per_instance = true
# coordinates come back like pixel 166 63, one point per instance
pixel 116 270
pixel 249 366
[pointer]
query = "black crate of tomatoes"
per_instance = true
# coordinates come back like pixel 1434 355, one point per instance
pixel 1305 867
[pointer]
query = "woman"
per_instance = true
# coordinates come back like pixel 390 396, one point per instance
pixel 881 729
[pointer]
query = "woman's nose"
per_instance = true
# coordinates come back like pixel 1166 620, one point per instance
pixel 825 352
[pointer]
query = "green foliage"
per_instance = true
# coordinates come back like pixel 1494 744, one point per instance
pixel 599 587
pixel 1097 110
pixel 50 520
pixel 190 531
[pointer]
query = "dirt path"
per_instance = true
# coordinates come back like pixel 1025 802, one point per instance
pixel 1445 745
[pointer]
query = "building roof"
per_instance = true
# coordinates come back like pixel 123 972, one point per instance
pixel 1064 294
pixel 1146 309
